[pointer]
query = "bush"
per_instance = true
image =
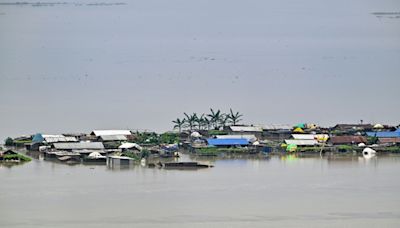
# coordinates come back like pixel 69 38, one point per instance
pixel 169 138
pixel 216 132
pixel 17 157
pixel 9 142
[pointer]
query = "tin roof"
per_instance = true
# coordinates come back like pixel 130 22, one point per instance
pixel 53 138
pixel 79 145
pixel 113 137
pixel 348 139
pixel 227 142
pixel 302 142
pixel 248 137
pixel 309 136
pixel 246 128
pixel 389 140
pixel 110 132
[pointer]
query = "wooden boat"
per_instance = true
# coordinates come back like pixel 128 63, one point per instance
pixel 185 165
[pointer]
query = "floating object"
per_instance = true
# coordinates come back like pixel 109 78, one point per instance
pixel 368 153
pixel 180 165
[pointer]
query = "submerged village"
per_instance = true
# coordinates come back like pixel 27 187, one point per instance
pixel 215 135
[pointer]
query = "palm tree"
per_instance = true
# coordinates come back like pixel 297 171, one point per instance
pixel 179 124
pixel 215 117
pixel 207 123
pixel 234 118
pixel 224 119
pixel 191 119
pixel 200 121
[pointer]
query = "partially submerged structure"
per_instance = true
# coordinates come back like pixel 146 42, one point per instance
pixel 229 142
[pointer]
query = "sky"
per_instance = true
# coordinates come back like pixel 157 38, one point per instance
pixel 77 67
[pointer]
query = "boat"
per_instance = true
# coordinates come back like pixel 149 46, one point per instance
pixel 180 165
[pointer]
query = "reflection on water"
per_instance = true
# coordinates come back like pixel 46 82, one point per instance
pixel 291 190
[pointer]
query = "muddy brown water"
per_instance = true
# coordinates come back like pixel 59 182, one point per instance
pixel 277 191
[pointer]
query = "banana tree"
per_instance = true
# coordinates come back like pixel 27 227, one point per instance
pixel 234 118
pixel 179 124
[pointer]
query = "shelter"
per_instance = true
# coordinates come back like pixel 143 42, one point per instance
pixel 384 134
pixel 44 138
pixel 337 140
pixel 227 142
pixel 241 130
pixel 352 127
pixel 99 133
pixel 302 142
pixel 79 146
pixel 389 140
pixel 130 146
pixel 250 138
pixel 105 138
pixel 310 136
pixel 298 130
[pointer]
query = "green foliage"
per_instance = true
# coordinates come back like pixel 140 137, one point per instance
pixel 216 132
pixel 147 138
pixel 9 142
pixel 372 140
pixel 393 149
pixel 17 157
pixel 234 118
pixel 131 154
pixel 169 138
pixel 346 148
pixel 215 119
pixel 216 151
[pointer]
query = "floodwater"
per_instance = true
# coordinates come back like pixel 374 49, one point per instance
pixel 271 192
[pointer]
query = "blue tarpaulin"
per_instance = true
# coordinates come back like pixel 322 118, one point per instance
pixel 228 142
pixel 384 134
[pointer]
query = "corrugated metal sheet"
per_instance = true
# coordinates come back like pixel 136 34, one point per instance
pixel 302 142
pixel 53 138
pixel 309 136
pixel 348 139
pixel 113 137
pixel 228 142
pixel 79 146
pixel 385 134
pixel 246 128
pixel 389 140
pixel 111 132
pixel 277 127
pixel 250 138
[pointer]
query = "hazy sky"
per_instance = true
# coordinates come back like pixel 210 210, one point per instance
pixel 78 67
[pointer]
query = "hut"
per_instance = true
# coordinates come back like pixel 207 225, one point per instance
pixel 79 146
pixel 229 142
pixel 347 140
pixel 245 130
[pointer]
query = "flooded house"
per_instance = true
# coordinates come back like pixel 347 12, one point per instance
pixel 40 139
pixel 228 142
pixel 112 135
pixel 347 140
pixel 78 146
pixel 245 130
pixel 276 132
